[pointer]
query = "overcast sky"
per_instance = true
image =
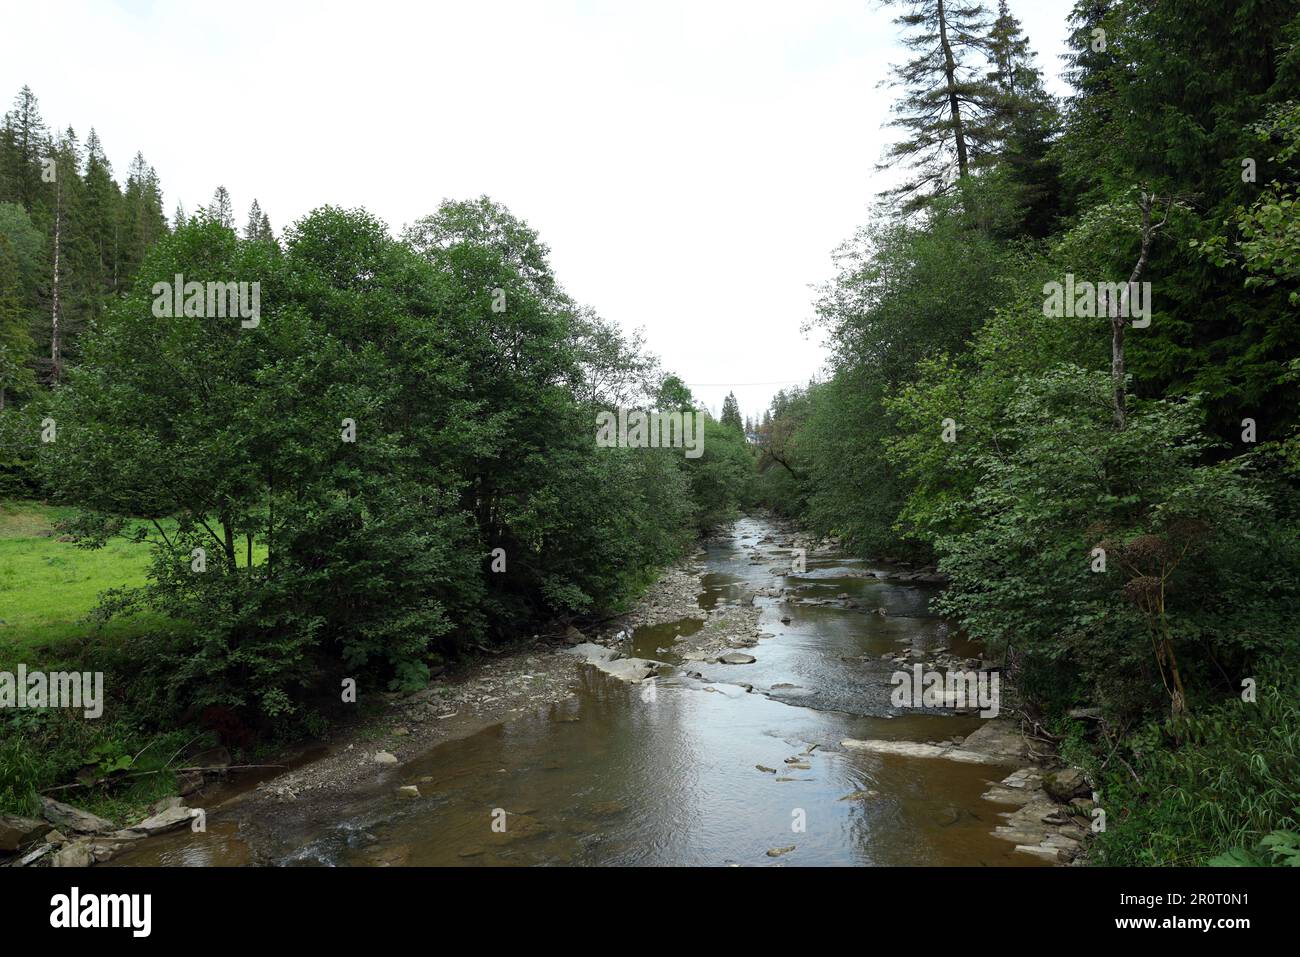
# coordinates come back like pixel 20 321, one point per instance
pixel 690 164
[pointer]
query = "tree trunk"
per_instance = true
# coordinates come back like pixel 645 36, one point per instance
pixel 954 106
pixel 55 345
pixel 1117 321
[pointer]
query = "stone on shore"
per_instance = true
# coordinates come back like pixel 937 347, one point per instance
pixel 915 749
pixel 72 818
pixel 73 855
pixel 17 832
pixel 169 819
pixel 999 737
pixel 609 661
pixel 1066 784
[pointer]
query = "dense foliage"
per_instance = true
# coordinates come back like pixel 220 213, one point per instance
pixel 1116 511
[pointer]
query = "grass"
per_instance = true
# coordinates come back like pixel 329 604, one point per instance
pixel 47 590
pixel 48 587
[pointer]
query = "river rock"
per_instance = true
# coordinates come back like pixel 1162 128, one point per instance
pixel 1066 784
pixel 736 658
pixel 170 819
pixel 915 749
pixel 74 819
pixel 629 669
pixel 779 851
pixel 408 791
pixel 166 804
pixel 73 855
pixel 17 832
pixel 998 737
pixel 383 757
pixel 765 769
pixel 592 652
pixel 102 850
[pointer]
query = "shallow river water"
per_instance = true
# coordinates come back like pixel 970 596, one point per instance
pixel 617 776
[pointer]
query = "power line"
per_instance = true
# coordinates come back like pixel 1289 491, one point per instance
pixel 778 382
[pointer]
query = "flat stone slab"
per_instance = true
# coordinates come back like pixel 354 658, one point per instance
pixel 73 818
pixel 592 653
pixel 1037 850
pixel 1001 795
pixel 916 749
pixel 736 658
pixel 998 737
pixel 170 819
pixel 609 661
pixel 627 669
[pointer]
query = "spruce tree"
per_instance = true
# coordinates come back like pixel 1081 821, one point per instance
pixel 16 346
pixel 101 215
pixel 26 144
pixel 253 229
pixel 946 104
pixel 1022 120
pixel 221 209
pixel 143 222
pixel 731 413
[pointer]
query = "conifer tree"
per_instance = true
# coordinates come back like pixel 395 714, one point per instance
pixel 731 413
pixel 101 214
pixel 25 146
pixel 16 346
pixel 253 229
pixel 142 221
pixel 946 102
pixel 221 208
pixel 1022 120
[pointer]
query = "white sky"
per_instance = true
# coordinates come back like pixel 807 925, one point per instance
pixel 690 164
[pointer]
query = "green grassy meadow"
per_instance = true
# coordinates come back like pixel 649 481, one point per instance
pixel 49 587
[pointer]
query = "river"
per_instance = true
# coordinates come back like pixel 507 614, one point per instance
pixel 616 775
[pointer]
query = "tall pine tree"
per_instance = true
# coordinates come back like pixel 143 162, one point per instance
pixel 946 103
